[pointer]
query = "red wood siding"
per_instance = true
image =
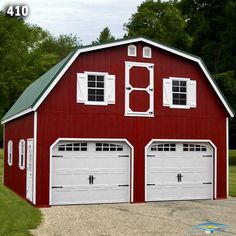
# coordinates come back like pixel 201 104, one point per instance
pixel 60 116
pixel 21 128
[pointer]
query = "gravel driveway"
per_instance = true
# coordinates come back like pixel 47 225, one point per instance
pixel 159 218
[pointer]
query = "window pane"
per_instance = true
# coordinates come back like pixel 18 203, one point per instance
pixel 91 91
pixel 183 89
pixel 175 82
pixel 175 95
pixel 100 78
pixel 182 83
pixel 91 98
pixel 100 85
pixel 91 78
pixel 175 89
pixel 182 96
pixel 100 98
pixel 100 91
pixel 91 84
pixel 182 102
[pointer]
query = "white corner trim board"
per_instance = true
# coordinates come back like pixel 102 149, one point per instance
pixel 94 140
pixel 187 141
pixel 35 155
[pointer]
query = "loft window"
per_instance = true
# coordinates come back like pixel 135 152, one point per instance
pixel 96 88
pixel 147 52
pixel 10 153
pixel 22 154
pixel 132 51
pixel 179 92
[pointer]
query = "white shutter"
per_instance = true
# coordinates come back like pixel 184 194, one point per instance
pixel 110 89
pixel 167 92
pixel 82 88
pixel 192 93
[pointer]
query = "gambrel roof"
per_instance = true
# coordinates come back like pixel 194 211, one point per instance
pixel 35 94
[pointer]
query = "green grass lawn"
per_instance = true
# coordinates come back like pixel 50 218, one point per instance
pixel 17 217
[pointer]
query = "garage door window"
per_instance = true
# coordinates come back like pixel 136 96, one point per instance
pixel 71 147
pixel 164 147
pixel 108 147
pixel 194 147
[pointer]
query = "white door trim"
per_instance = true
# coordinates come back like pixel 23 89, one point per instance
pixel 94 139
pixel 179 141
pixel 149 89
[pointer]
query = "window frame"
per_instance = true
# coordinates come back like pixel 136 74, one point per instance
pixel 10 153
pixel 22 154
pixel 150 52
pixel 187 106
pixel 105 74
pixel 135 50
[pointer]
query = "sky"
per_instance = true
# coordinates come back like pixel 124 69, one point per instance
pixel 84 18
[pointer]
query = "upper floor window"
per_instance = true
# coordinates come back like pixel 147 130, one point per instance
pixel 22 154
pixel 147 52
pixel 179 92
pixel 10 153
pixel 95 88
pixel 132 50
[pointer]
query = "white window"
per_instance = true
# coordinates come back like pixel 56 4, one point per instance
pixel 10 153
pixel 147 52
pixel 22 154
pixel 95 88
pixel 179 92
pixel 132 51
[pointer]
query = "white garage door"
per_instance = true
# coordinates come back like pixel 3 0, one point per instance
pixel 90 172
pixel 179 171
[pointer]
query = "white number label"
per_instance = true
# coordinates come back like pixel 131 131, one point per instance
pixel 17 10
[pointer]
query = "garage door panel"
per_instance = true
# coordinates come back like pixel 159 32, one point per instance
pixel 90 176
pixel 180 172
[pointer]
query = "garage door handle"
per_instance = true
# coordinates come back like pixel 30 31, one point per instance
pixel 207 183
pixel 150 184
pixel 123 156
pixel 123 185
pixel 57 186
pixel 57 156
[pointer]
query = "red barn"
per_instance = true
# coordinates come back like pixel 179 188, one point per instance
pixel 128 121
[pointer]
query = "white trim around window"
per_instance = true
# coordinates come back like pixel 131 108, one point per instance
pixel 174 95
pixel 10 153
pixel 147 52
pixel 95 88
pixel 132 50
pixel 22 154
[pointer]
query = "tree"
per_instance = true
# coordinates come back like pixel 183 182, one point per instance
pixel 104 37
pixel 26 52
pixel 160 21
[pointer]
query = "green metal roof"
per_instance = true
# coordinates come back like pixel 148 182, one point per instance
pixel 33 93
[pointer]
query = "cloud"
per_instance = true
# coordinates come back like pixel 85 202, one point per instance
pixel 86 18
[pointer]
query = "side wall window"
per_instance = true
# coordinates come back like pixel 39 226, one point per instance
pixel 22 154
pixel 179 93
pixel 95 88
pixel 10 153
